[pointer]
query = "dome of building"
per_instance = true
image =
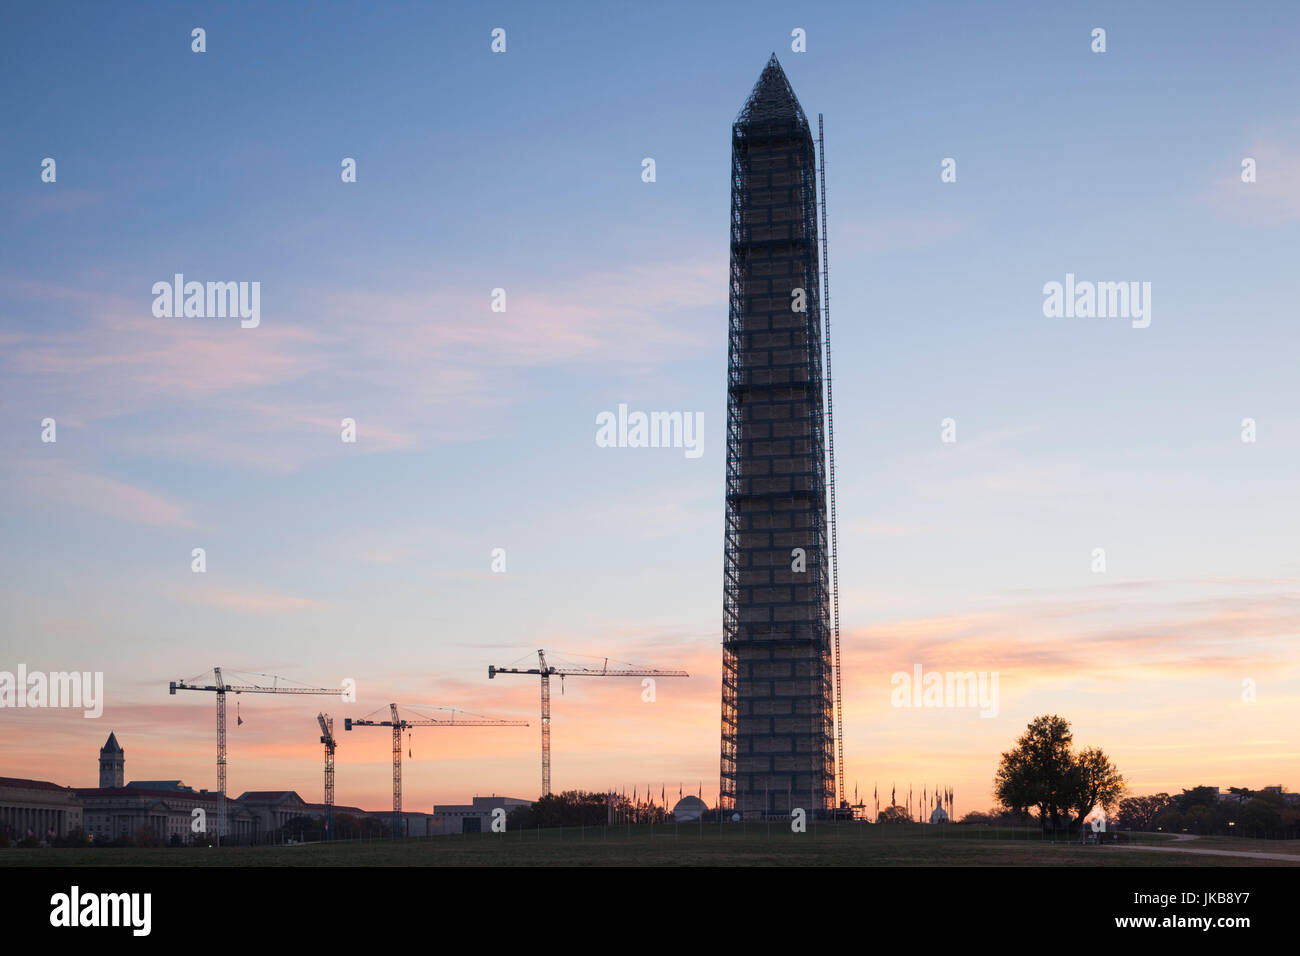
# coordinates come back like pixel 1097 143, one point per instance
pixel 939 814
pixel 689 809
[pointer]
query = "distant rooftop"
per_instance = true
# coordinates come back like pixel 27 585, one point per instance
pixel 159 785
pixel 319 809
pixel 26 784
pixel 274 796
pixel 135 791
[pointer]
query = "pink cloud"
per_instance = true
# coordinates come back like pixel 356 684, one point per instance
pixel 428 361
pixel 54 198
pixel 585 318
pixel 56 480
pixel 1274 197
pixel 254 601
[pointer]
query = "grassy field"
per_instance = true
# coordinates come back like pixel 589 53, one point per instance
pixel 690 846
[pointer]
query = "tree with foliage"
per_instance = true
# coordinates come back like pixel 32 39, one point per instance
pixel 1258 816
pixel 1290 813
pixel 75 837
pixel 301 828
pixel 1013 784
pixel 1207 797
pixel 1140 813
pixel 145 837
pixel 1043 772
pixel 571 808
pixel 1093 782
pixel 349 826
pixel 894 814
pixel 1037 771
pixel 998 816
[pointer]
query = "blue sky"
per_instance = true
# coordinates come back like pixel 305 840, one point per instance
pixel 476 429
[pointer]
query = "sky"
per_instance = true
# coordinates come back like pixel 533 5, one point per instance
pixel 475 429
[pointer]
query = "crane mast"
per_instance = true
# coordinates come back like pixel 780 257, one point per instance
pixel 397 770
pixel 221 754
pixel 399 724
pixel 545 672
pixel 220 687
pixel 546 723
pixel 327 738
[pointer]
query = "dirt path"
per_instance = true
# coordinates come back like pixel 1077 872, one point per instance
pixel 1287 857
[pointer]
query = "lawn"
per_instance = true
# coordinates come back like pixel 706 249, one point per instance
pixel 752 845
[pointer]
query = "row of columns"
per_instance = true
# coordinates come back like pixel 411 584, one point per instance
pixel 20 819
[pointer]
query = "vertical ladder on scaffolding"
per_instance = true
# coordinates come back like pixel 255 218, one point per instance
pixel 830 434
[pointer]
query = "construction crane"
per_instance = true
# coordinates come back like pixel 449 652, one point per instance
pixel 546 672
pixel 221 688
pixel 327 738
pixel 841 797
pixel 400 724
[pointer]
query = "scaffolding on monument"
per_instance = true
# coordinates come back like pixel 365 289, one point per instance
pixel 774 242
